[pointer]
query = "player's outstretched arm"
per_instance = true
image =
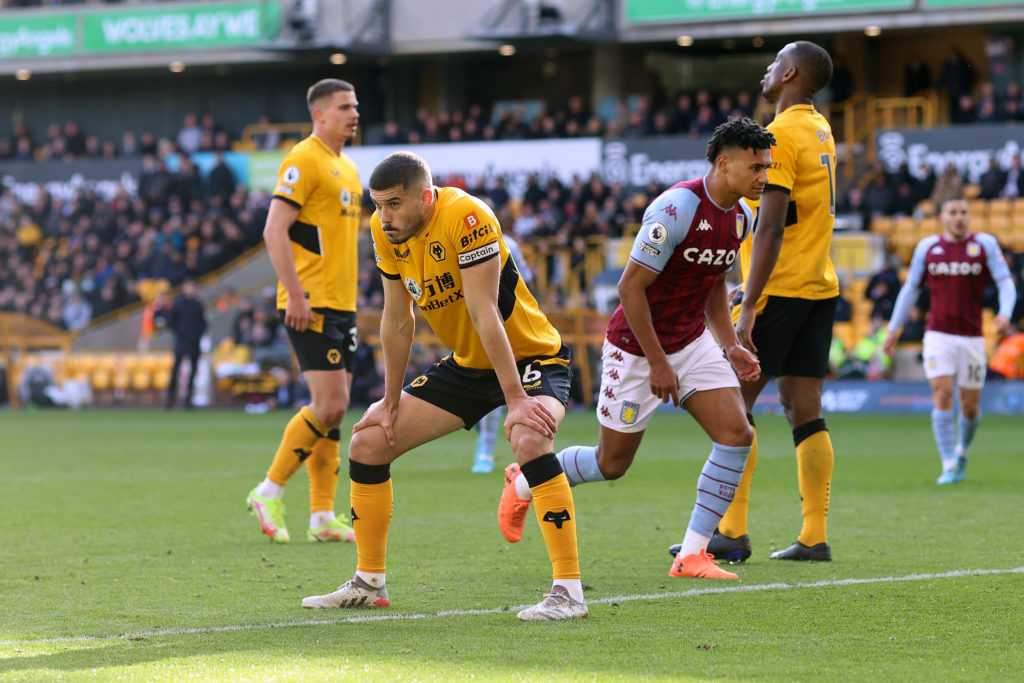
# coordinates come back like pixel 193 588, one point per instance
pixel 297 314
pixel 480 283
pixel 771 222
pixel 745 363
pixel 633 295
pixel 397 324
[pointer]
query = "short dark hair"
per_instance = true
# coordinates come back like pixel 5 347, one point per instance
pixel 814 62
pixel 326 88
pixel 743 133
pixel 400 168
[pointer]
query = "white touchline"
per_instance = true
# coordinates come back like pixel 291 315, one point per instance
pixel 377 616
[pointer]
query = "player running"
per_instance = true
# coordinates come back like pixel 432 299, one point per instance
pixel 658 349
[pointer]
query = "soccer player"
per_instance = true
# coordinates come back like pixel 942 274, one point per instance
pixel 789 296
pixel 441 250
pixel 956 265
pixel 311 233
pixel 658 349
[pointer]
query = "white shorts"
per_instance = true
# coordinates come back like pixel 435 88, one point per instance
pixel 626 403
pixel 953 354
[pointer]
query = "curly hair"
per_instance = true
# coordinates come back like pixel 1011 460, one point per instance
pixel 743 133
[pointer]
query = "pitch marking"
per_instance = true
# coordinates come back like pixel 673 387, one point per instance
pixel 499 610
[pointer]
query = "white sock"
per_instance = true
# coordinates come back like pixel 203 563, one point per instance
pixel 522 488
pixel 320 518
pixel 693 543
pixel 573 586
pixel 580 464
pixel 375 580
pixel 268 489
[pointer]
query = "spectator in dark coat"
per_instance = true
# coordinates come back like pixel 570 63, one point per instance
pixel 187 321
pixel 992 181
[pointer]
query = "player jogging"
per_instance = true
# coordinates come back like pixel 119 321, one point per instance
pixel 311 233
pixel 956 265
pixel 657 348
pixel 441 250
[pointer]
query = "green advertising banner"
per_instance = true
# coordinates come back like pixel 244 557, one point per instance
pixel 650 11
pixel 263 167
pixel 36 36
pixel 190 26
pixel 966 4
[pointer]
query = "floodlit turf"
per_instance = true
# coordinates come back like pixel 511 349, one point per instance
pixel 127 554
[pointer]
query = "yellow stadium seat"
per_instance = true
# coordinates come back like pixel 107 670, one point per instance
pixel 101 379
pixel 882 225
pixel 978 208
pixel 999 226
pixel 998 207
pixel 844 332
pixel 142 380
pixel 927 227
pixel 161 379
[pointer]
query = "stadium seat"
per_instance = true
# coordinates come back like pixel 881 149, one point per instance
pixel 843 331
pixel 978 208
pixel 998 207
pixel 882 225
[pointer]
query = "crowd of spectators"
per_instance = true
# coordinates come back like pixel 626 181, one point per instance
pixel 693 115
pixel 68 262
pixel 882 193
pixel 70 143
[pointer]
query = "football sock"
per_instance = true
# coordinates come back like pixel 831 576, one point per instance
pixel 716 487
pixel 967 430
pixel 553 506
pixel 320 518
pixel 573 586
pixel 693 543
pixel 580 464
pixel 944 430
pixel 488 431
pixel 323 467
pixel 372 501
pixel 375 579
pixel 734 522
pixel 814 461
pixel 300 434
pixel 269 489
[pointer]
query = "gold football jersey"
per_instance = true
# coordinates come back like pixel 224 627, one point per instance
pixel 462 233
pixel 803 166
pixel 326 189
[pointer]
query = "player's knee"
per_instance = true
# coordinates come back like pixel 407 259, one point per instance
pixel 332 410
pixel 528 443
pixel 738 435
pixel 613 465
pixel 366 445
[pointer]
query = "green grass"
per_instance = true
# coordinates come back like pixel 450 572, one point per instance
pixel 127 554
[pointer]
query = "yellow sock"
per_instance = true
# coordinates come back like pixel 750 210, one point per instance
pixel 552 502
pixel 734 523
pixel 814 460
pixel 300 435
pixel 323 466
pixel 372 501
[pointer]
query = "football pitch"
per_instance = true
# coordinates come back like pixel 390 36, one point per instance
pixel 127 554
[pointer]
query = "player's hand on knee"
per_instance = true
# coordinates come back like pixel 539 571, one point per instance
pixel 530 412
pixel 381 415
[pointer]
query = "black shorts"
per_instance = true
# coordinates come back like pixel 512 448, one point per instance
pixel 793 336
pixel 471 394
pixel 331 349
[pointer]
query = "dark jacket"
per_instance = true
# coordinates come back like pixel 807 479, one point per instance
pixel 187 320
